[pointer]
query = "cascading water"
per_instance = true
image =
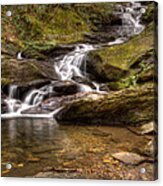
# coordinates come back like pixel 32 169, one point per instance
pixel 71 63
pixel 74 64
pixel 11 100
pixel 131 17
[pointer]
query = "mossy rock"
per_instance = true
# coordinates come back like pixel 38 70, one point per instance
pixel 112 63
pixel 132 106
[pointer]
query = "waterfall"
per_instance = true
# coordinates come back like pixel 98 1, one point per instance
pixel 70 65
pixel 13 91
pixel 11 100
pixel 34 97
pixel 130 16
pixel 73 64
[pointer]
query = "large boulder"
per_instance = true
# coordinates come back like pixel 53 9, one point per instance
pixel 130 106
pixel 25 71
pixel 112 63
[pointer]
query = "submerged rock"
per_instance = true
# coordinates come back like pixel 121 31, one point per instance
pixel 129 158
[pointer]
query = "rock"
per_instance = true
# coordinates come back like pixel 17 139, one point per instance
pixel 129 158
pixel 96 66
pixel 65 87
pixel 125 107
pixel 148 74
pixel 59 50
pixel 150 148
pixel 53 103
pixel 149 128
pixel 100 37
pixel 24 88
pixel 4 107
pixel 42 51
pixel 26 71
pixel 112 63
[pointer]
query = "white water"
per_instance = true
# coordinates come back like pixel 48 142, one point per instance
pixel 19 56
pixel 131 19
pixel 74 65
pixel 71 63
pixel 11 100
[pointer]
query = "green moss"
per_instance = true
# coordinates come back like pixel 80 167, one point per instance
pixel 115 62
pixel 125 55
pixel 5 81
pixel 55 23
pixel 149 15
pixel 45 23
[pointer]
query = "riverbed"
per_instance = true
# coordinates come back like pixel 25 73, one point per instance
pixel 45 148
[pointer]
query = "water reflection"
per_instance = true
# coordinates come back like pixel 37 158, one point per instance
pixel 22 131
pixel 12 128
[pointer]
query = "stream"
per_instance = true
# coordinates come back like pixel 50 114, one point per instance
pixel 36 145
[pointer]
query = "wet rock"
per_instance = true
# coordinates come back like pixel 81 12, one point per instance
pixel 65 87
pixel 24 88
pixel 129 158
pixel 44 149
pixel 36 110
pixel 4 107
pixel 42 51
pixel 52 103
pixel 59 50
pixel 101 133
